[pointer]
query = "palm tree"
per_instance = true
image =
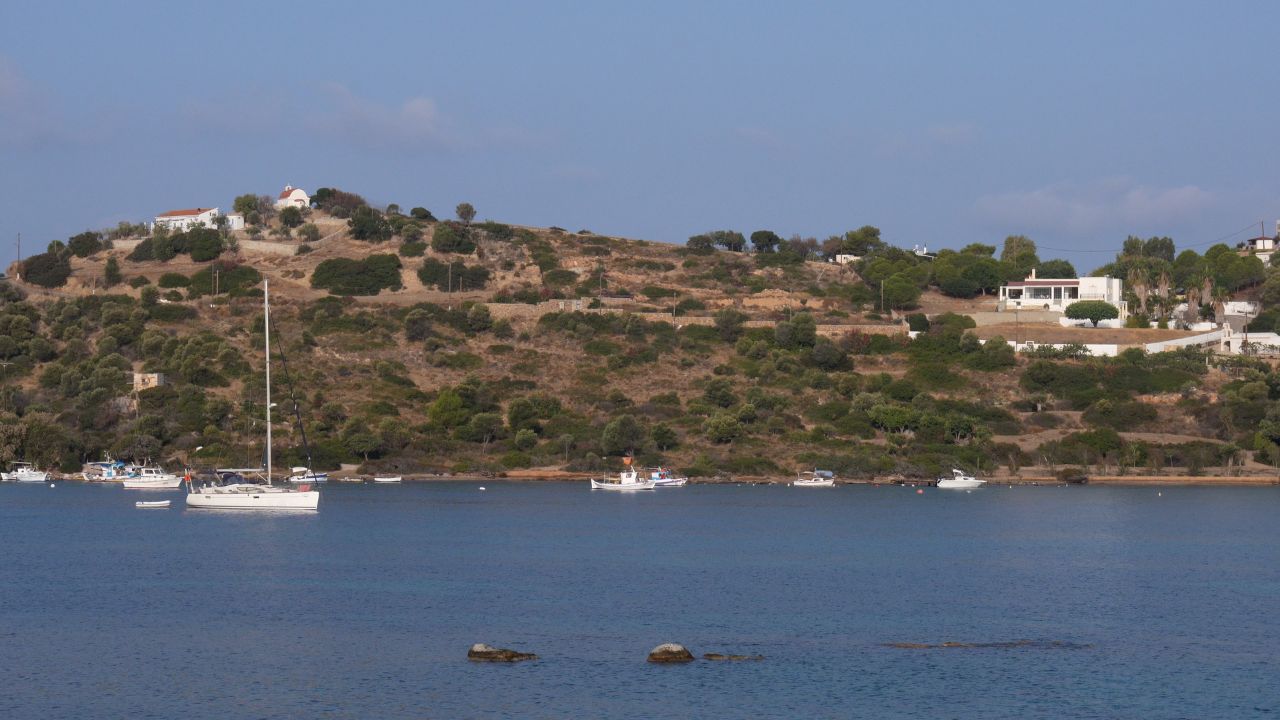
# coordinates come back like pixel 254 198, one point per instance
pixel 1139 281
pixel 1162 290
pixel 1193 301
pixel 1220 297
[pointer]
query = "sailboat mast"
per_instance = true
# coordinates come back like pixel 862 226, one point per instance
pixel 266 333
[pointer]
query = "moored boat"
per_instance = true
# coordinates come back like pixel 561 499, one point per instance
pixel 152 478
pixel 663 477
pixel 244 495
pixel 815 478
pixel 306 476
pixel 24 472
pixel 151 504
pixel 628 479
pixel 959 481
pixel 387 478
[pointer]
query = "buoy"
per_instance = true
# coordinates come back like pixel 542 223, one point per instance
pixel 52 485
pixel 481 487
pixel 919 492
pixel 1159 494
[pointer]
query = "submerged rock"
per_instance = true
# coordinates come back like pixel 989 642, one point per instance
pixel 484 653
pixel 1001 645
pixel 721 656
pixel 670 653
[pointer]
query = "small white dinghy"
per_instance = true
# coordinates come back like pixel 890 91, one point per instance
pixel 151 504
pixel 388 479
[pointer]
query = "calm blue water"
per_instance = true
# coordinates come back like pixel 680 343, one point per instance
pixel 366 609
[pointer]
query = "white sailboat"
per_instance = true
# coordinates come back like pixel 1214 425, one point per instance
pixel 259 495
pixel 24 472
pixel 959 481
pixel 152 478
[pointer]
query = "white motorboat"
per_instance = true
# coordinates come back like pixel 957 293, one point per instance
pixel 252 495
pixel 628 479
pixel 24 472
pixel 662 477
pixel 351 479
pixel 387 479
pixel 306 476
pixel 815 478
pixel 152 478
pixel 145 504
pixel 959 481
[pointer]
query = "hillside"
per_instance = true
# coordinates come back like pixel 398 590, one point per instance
pixel 566 350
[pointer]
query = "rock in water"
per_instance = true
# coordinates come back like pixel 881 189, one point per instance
pixel 722 656
pixel 485 653
pixel 670 653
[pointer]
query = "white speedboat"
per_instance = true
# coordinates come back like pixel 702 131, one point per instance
pixel 24 472
pixel 663 477
pixel 245 495
pixel 628 479
pixel 151 504
pixel 152 478
pixel 387 479
pixel 959 481
pixel 306 476
pixel 815 478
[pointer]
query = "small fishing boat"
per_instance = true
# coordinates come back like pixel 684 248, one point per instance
pixel 815 478
pixel 109 471
pixel 628 479
pixel 151 504
pixel 387 479
pixel 663 477
pixel 352 479
pixel 24 472
pixel 959 481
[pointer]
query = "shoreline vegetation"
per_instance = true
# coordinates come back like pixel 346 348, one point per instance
pixel 448 349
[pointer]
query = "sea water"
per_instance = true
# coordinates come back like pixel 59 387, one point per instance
pixel 1133 602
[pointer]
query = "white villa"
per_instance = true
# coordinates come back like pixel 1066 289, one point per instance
pixel 1055 294
pixel 291 196
pixel 183 220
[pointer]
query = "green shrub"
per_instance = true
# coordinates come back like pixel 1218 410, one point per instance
pixel 173 280
pixel 138 281
pixel 344 276
pixel 434 273
pixel 47 270
pixel 452 238
pixel 233 280
pixel 413 249
pixel 171 312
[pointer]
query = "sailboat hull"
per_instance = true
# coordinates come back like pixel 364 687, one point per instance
pixel 252 499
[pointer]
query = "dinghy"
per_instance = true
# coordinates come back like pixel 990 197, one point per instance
pixel 151 504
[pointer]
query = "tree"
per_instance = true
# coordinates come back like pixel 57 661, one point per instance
pixel 1055 269
pixel 246 204
pixel 421 213
pixel 622 435
pixel 701 245
pixel 111 273
pixel 729 324
pixel 448 409
pixel 1019 251
pixel 722 428
pixel 447 238
pixel 368 224
pixel 47 269
pixel 85 244
pixel 291 217
pixel 728 239
pixel 863 241
pixel 309 232
pixel 663 437
pixel 465 213
pixel 899 292
pixel 765 241
pixel 1093 310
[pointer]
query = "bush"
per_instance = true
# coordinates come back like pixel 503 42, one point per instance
pixel 234 280
pixel 344 276
pixel 47 270
pixel 85 244
pixel 138 281
pixel 413 249
pixel 203 244
pixel 173 280
pixel 421 213
pixel 452 238
pixel 918 322
pixel 438 274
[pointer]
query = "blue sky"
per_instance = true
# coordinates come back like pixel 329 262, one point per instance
pixel 942 123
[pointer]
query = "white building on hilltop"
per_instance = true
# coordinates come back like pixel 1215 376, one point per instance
pixel 1055 294
pixel 291 196
pixel 183 220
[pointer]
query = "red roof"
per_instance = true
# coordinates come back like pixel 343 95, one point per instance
pixel 184 213
pixel 1036 283
pixel 289 190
